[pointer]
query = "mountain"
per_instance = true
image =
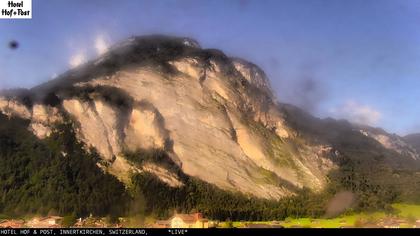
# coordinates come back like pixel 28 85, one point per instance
pixel 165 107
pixel 413 140
pixel 215 116
pixel 363 139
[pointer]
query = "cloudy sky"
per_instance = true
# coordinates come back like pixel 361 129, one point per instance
pixel 357 59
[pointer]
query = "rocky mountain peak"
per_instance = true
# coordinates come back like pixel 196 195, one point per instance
pixel 214 116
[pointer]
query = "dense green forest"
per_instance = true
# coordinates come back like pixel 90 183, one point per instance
pixel 196 195
pixel 375 188
pixel 163 200
pixel 55 175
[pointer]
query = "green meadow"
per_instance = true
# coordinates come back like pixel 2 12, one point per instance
pixel 402 216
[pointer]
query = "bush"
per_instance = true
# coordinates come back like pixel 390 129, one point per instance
pixel 68 221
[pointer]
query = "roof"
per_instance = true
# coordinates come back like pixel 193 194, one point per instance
pixel 190 218
pixel 11 223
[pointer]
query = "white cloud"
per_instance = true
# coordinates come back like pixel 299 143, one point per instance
pixel 357 113
pixel 101 45
pixel 77 59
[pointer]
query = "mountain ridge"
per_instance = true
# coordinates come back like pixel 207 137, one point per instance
pixel 215 116
pixel 414 140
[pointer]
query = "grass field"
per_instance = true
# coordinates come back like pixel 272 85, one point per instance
pixel 404 216
pixel 407 210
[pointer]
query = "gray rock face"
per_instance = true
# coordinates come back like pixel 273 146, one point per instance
pixel 216 117
pixel 413 140
pixel 391 142
pixel 253 74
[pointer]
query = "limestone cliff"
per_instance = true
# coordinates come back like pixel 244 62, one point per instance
pixel 216 117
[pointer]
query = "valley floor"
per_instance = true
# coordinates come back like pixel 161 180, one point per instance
pixel 404 216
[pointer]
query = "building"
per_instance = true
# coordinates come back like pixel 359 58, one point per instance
pixel 45 222
pixel 195 220
pixel 417 224
pixel 162 224
pixel 12 223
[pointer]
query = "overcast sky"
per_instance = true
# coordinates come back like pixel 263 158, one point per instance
pixel 357 59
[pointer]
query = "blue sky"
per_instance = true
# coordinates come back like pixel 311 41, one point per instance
pixel 356 59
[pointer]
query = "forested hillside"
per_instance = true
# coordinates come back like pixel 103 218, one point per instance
pixel 55 175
